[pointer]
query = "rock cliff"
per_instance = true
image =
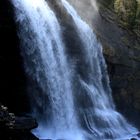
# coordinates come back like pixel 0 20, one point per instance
pixel 116 23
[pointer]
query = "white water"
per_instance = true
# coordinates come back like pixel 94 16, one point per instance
pixel 101 119
pixel 46 64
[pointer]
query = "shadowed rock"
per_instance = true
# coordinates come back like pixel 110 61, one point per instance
pixel 12 127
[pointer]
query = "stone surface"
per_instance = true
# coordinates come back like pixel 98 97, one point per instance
pixel 126 10
pixel 121 47
pixel 123 62
pixel 16 128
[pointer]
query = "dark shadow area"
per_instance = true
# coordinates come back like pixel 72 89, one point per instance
pixel 12 77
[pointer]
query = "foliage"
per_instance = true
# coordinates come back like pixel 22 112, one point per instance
pixel 126 11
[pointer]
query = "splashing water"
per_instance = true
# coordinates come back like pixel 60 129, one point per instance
pixel 50 77
pixel 101 119
pixel 45 62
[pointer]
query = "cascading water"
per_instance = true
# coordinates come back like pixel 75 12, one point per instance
pixel 50 74
pixel 45 63
pixel 101 118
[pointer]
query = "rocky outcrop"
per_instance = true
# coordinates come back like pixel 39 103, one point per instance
pixel 117 30
pixel 122 52
pixel 12 127
pixel 126 11
pixel 129 14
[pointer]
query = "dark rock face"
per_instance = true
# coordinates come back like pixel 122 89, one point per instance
pixel 129 14
pixel 121 47
pixel 12 78
pixel 122 51
pixel 126 10
pixel 16 128
pixel 17 134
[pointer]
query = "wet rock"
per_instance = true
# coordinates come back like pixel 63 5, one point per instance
pixel 126 10
pixel 123 62
pixel 133 139
pixel 16 128
pixel 121 48
pixel 138 135
pixel 129 13
pixel 25 123
pixel 6 119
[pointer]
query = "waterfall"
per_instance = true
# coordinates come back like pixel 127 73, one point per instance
pixel 101 118
pixel 45 63
pixel 50 77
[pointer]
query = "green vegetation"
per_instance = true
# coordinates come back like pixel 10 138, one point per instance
pixel 137 26
pixel 126 11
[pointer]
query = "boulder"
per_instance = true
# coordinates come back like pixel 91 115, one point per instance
pixel 12 127
pixel 25 123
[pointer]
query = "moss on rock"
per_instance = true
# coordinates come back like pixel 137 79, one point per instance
pixel 138 10
pixel 137 20
pixel 127 11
